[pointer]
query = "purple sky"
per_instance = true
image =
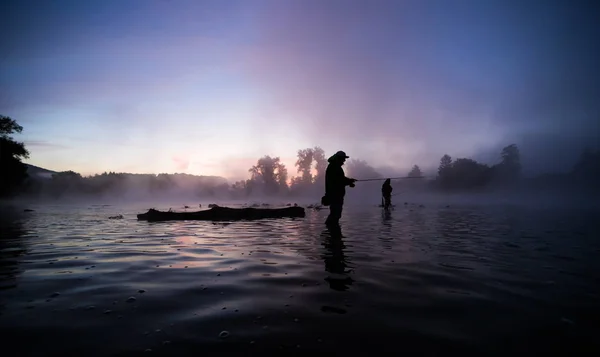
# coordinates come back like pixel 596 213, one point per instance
pixel 207 87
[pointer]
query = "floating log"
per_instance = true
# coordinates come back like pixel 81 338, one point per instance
pixel 223 214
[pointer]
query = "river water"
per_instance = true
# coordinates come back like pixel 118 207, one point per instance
pixel 421 280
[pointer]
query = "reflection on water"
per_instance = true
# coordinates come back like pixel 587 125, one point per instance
pixel 423 280
pixel 335 260
pixel 386 236
pixel 12 247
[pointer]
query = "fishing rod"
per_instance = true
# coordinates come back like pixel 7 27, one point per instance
pixel 391 178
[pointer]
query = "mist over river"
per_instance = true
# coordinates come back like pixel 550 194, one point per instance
pixel 422 280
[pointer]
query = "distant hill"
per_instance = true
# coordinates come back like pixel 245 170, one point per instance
pixel 38 172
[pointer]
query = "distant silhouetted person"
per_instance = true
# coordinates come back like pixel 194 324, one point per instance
pixel 335 187
pixel 386 192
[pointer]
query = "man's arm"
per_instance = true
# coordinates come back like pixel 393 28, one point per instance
pixel 349 181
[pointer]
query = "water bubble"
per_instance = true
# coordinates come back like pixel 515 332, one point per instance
pixel 131 299
pixel 106 312
pixel 224 334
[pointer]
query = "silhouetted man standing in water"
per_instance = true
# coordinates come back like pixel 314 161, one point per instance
pixel 386 192
pixel 335 187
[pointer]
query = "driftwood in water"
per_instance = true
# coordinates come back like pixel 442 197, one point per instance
pixel 223 214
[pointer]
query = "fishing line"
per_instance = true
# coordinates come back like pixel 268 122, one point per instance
pixel 391 178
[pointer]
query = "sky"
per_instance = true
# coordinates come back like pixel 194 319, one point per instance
pixel 208 87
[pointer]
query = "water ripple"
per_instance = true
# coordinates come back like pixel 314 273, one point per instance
pixel 431 279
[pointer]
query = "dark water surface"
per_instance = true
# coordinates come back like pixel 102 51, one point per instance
pixel 419 281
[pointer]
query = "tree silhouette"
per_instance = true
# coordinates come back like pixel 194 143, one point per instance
pixel 509 168
pixel 445 171
pixel 309 160
pixel 320 164
pixel 282 177
pixel 588 166
pixel 304 164
pixel 445 165
pixel 467 173
pixel 12 170
pixel 270 173
pixel 415 172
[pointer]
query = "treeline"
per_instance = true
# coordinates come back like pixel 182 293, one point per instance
pixel 463 173
pixel 125 185
pixel 270 177
pixel 466 174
